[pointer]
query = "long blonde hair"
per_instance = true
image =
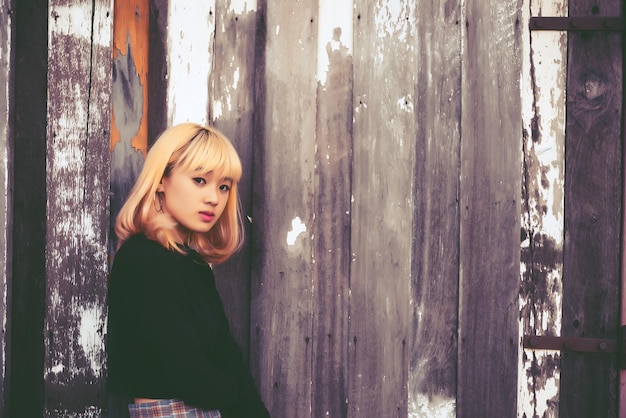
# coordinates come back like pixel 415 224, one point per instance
pixel 191 147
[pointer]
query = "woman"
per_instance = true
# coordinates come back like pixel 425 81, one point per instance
pixel 168 342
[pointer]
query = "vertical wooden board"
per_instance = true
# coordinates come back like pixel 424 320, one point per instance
pixel 129 102
pixel 6 133
pixel 332 209
pixel 231 108
pixel 434 288
pixel 543 100
pixel 383 206
pixel 190 46
pixel 490 207
pixel 591 284
pixel 283 208
pixel 77 212
pixel 157 64
pixel 78 192
pixel 28 275
pixel 542 225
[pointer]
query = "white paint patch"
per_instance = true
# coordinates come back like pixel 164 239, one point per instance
pixel 277 30
pixel 190 39
pixel 406 104
pixel 89 338
pixel 333 14
pixel 236 76
pixel 57 369
pixel 549 60
pixel 426 406
pixel 297 228
pixel 70 20
pixel 217 110
pixel 242 6
pixel 396 18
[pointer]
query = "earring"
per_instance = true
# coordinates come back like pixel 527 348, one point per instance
pixel 154 201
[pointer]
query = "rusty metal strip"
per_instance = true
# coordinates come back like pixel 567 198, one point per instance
pixel 588 345
pixel 583 23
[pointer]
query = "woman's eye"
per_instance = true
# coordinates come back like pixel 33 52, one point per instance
pixel 225 187
pixel 199 180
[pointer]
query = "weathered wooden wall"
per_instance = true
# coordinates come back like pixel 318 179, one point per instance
pixel 389 166
pixel 6 158
pixel 77 179
pixel 572 208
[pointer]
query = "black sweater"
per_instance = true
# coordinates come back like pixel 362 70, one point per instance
pixel 168 336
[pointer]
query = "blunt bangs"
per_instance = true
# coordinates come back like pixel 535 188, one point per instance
pixel 208 151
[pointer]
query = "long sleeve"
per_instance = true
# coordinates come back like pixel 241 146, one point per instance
pixel 168 334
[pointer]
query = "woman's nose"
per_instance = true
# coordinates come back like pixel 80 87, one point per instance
pixel 211 194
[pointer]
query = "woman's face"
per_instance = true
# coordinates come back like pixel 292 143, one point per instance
pixel 194 200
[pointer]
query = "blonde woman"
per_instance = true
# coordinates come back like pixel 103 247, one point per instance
pixel 168 342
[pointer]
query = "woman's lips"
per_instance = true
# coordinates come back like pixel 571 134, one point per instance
pixel 207 216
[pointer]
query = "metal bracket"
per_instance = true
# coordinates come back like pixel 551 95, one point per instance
pixel 582 23
pixel 587 345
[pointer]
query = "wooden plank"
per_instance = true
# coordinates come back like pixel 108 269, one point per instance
pixel 543 96
pixel 331 229
pixel 28 274
pixel 490 208
pixel 232 111
pixel 383 191
pixel 592 200
pixel 7 69
pixel 188 65
pixel 434 290
pixel 77 212
pixel 283 206
pixel 129 101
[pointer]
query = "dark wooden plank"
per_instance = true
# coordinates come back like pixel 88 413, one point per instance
pixel 591 284
pixel 7 68
pixel 77 211
pixel 490 210
pixel 383 190
pixel 28 276
pixel 332 255
pixel 433 344
pixel 232 108
pixel 283 204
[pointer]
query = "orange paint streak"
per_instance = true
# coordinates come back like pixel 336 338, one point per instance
pixel 130 29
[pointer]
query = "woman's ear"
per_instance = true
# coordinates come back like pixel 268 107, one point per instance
pixel 160 187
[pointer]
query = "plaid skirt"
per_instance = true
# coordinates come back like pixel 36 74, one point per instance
pixel 168 408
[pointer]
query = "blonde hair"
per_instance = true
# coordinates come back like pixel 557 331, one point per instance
pixel 191 147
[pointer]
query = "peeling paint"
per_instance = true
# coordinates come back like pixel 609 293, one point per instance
pixel 190 39
pixel 432 406
pixel 242 6
pixel 540 301
pixel 297 228
pixel 335 28
pixel 89 338
pixel 406 104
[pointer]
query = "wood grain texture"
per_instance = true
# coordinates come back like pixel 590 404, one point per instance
pixel 382 208
pixel 77 212
pixel 129 102
pixel 591 284
pixel 7 66
pixel 434 288
pixel 541 290
pixel 490 207
pixel 333 181
pixel 231 109
pixel 283 207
